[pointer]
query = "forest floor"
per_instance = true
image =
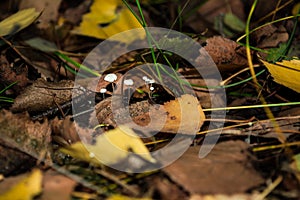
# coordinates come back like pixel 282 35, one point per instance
pixel 201 102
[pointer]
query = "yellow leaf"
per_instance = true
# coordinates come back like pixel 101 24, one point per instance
pixel 286 73
pixel 18 21
pixel 79 151
pixel 26 189
pixel 110 148
pixel 296 9
pixel 171 117
pixel 107 18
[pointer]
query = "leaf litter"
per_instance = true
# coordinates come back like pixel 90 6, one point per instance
pixel 246 161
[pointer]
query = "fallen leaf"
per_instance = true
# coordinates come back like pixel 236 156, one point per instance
pixel 10 75
pixel 110 148
pixel 209 12
pixel 166 189
pixel 50 10
pixel 295 166
pixel 25 189
pixel 42 44
pixel 227 169
pixel 122 197
pixel 18 21
pixel 225 197
pixel 227 54
pixel 107 18
pixel 67 130
pixel 79 151
pixel 234 22
pixel 56 185
pixel 270 36
pixel 286 73
pixel 43 95
pixel 275 54
pixel 211 9
pixel 170 117
pixel 296 9
pixel 181 109
pixel 297 161
pixel 20 132
pixel 74 14
pixel 13 161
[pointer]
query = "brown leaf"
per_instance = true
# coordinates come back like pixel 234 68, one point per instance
pixel 213 8
pixel 66 129
pixel 208 13
pixel 166 189
pixel 69 131
pixel 9 76
pixel 170 117
pixel 226 169
pixel 21 133
pixel 13 161
pixel 50 10
pixel 42 95
pixel 56 185
pixel 270 36
pixel 225 197
pixel 74 14
pixel 227 54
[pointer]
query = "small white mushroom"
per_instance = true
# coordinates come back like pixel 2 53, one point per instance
pixel 103 90
pixel 110 78
pixel 151 81
pixel 128 82
pixel 151 88
pixel 147 80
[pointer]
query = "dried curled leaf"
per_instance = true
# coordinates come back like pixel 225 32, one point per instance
pixel 227 54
